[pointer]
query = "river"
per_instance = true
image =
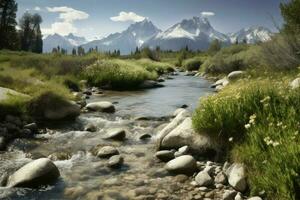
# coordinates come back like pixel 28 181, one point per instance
pixel 84 176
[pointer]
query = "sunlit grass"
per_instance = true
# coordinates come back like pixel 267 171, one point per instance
pixel 258 122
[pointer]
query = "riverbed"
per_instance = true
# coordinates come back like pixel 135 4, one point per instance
pixel 83 175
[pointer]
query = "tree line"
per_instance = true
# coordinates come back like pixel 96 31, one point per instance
pixel 25 35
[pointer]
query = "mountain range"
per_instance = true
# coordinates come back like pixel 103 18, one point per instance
pixel 197 33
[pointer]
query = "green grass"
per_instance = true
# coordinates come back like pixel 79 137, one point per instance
pixel 13 105
pixel 261 119
pixel 120 74
pixel 193 64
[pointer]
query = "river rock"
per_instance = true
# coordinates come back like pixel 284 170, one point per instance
pixel 6 93
pixel 222 82
pixel 203 179
pixel 237 177
pixel 235 75
pixel 165 155
pixel 90 128
pixel 145 136
pixel 184 135
pixel 182 165
pixel 2 143
pixel 182 151
pixel 148 84
pixel 107 152
pixel 115 161
pixel 34 174
pixel 65 111
pixel 229 195
pixel 116 134
pixel 295 83
pixel 177 111
pixel 172 125
pixel 33 127
pixel 103 106
pixel 238 196
pixel 221 178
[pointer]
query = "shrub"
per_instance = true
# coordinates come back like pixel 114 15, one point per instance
pixel 192 64
pixel 236 57
pixel 117 74
pixel 282 52
pixel 13 106
pixel 262 121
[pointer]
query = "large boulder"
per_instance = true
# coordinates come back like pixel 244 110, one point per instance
pixel 69 110
pixel 34 174
pixel 6 93
pixel 236 174
pixel 184 135
pixel 182 165
pixel 102 106
pixel 295 83
pixel 180 117
pixel 235 75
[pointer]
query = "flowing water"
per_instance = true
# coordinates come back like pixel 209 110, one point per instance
pixel 83 175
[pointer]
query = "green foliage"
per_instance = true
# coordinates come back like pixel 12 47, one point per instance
pixel 14 105
pixel 291 16
pixel 117 74
pixel 282 52
pixel 214 47
pixel 8 33
pixel 236 57
pixel 192 64
pixel 261 119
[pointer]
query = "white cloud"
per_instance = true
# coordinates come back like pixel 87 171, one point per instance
pixel 207 14
pixel 67 16
pixel 127 16
pixel 37 8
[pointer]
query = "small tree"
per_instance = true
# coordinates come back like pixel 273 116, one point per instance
pixel 74 52
pixel 291 14
pixel 215 46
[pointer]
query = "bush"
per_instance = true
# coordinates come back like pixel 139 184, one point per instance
pixel 13 106
pixel 262 121
pixel 154 66
pixel 282 52
pixel 236 57
pixel 192 64
pixel 117 74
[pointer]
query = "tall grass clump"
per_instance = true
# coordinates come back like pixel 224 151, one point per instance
pixel 258 123
pixel 14 105
pixel 236 57
pixel 154 66
pixel 117 74
pixel 192 64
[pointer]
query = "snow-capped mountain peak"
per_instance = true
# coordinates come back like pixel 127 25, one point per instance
pixel 251 35
pixel 192 29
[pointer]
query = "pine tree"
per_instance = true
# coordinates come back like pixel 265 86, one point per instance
pixel 26 32
pixel 37 43
pixel 8 32
pixel 74 52
pixel 215 46
pixel 291 14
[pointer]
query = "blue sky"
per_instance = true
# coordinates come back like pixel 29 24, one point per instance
pixel 98 18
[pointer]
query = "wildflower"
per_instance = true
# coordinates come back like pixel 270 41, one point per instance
pixel 266 99
pixel 230 139
pixel 275 144
pixel 279 124
pixel 247 126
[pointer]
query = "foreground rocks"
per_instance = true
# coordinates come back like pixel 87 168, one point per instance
pixel 34 174
pixel 295 83
pixel 6 93
pixel 68 110
pixel 116 134
pixel 182 165
pixel 102 106
pixel 179 132
pixel 237 177
pixel 149 84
